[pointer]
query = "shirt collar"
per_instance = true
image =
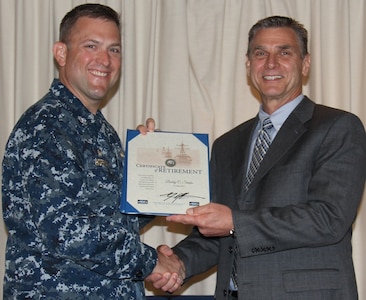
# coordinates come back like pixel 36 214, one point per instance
pixel 73 104
pixel 279 116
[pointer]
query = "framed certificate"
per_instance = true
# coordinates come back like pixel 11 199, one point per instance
pixel 165 172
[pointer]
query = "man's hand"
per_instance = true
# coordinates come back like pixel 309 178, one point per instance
pixel 148 127
pixel 169 272
pixel 211 219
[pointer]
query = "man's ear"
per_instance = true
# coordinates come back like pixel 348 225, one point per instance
pixel 59 53
pixel 306 65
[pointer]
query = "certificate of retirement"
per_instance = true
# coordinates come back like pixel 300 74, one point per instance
pixel 165 172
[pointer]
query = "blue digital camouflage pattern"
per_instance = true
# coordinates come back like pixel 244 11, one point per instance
pixel 62 176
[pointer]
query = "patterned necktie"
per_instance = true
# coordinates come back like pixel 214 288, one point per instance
pixel 261 146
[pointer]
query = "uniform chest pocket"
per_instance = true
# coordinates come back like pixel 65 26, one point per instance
pixel 100 173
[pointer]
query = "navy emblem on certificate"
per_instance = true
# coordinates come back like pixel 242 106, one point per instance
pixel 165 172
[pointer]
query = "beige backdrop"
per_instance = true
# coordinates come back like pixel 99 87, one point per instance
pixel 183 65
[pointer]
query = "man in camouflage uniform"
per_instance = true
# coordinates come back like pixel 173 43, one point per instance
pixel 62 175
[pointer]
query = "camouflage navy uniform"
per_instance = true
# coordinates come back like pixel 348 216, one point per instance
pixel 62 174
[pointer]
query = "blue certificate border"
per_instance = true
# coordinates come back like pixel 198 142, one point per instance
pixel 125 206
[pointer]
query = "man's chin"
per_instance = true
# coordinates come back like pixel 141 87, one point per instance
pixel 99 92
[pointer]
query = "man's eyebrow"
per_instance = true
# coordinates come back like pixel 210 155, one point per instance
pixel 91 41
pixel 258 47
pixel 285 47
pixel 117 44
pixel 282 47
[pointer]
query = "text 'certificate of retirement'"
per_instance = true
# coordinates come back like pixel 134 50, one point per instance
pixel 165 173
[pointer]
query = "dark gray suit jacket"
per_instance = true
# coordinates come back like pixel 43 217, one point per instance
pixel 294 224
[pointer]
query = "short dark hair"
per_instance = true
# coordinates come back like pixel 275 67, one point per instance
pixel 279 21
pixel 90 10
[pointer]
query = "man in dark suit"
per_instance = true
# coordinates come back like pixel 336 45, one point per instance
pixel 290 225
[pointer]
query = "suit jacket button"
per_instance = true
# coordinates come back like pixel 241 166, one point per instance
pixel 231 249
pixel 225 292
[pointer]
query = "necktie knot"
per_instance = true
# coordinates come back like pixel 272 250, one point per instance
pixel 267 124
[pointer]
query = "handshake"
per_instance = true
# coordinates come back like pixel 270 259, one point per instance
pixel 169 272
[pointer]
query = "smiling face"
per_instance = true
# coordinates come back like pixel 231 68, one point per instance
pixel 276 67
pixel 90 63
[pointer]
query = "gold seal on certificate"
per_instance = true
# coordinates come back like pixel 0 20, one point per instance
pixel 165 173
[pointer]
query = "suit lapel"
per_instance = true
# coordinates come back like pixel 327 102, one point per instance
pixel 292 129
pixel 239 161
